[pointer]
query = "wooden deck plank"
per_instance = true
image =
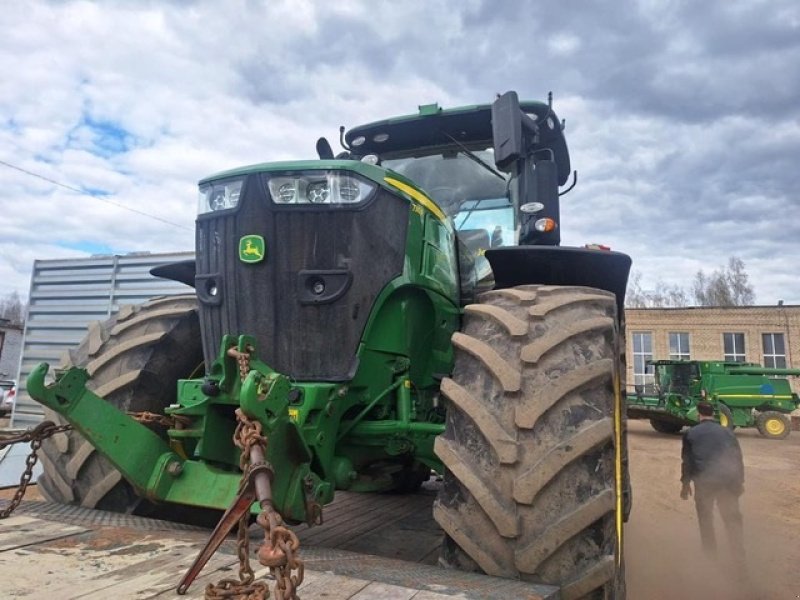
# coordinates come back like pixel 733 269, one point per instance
pixel 364 524
pixel 428 595
pixel 384 591
pixel 414 537
pixel 332 587
pixel 94 567
pixel 20 531
pixel 377 505
pixel 163 579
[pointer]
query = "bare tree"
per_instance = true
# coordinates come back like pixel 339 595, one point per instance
pixel 728 286
pixel 661 296
pixel 13 308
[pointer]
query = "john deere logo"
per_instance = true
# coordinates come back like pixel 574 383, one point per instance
pixel 252 249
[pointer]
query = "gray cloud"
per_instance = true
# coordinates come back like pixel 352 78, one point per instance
pixel 682 118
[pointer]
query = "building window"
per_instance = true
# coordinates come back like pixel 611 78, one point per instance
pixel 679 346
pixel 643 352
pixel 774 350
pixel 734 347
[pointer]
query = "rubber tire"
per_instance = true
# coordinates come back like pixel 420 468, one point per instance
pixel 135 360
pixel 529 488
pixel 725 412
pixel 665 427
pixel 764 418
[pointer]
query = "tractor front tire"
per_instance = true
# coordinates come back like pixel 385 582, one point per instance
pixel 773 425
pixel 726 417
pixel 532 442
pixel 665 427
pixel 134 361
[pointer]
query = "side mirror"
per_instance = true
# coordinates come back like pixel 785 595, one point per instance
pixel 507 131
pixel 324 150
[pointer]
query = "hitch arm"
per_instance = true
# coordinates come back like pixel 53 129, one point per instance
pixel 139 454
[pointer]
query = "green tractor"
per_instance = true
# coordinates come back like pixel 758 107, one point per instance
pixel 401 307
pixel 743 394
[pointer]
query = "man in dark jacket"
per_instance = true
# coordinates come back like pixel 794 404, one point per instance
pixel 712 459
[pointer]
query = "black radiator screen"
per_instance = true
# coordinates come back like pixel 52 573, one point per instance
pixel 308 301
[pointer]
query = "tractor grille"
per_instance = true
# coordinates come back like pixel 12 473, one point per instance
pixel 308 335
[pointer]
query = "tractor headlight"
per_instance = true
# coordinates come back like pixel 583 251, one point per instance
pixel 219 195
pixel 319 187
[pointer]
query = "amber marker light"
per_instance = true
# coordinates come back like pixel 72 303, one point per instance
pixel 545 225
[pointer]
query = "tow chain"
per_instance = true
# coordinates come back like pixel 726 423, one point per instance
pixel 168 421
pixel 47 429
pixel 279 551
pixel 242 360
pixel 35 436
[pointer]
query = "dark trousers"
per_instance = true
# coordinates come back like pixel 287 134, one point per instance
pixel 705 496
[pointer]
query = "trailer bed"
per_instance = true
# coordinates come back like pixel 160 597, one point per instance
pixel 371 547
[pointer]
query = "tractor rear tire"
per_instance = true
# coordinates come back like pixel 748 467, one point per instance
pixel 665 427
pixel 530 447
pixel 134 360
pixel 773 425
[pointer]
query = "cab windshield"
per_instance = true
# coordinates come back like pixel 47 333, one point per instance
pixel 676 378
pixel 476 198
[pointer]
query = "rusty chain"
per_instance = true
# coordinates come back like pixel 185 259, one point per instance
pixel 35 436
pixel 246 588
pixel 47 429
pixel 242 359
pixel 279 551
pixel 168 421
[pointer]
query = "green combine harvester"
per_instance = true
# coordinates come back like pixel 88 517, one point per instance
pixel 358 321
pixel 744 395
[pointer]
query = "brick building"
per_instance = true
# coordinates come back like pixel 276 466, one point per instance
pixel 767 335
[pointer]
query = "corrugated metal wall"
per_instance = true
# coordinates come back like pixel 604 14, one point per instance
pixel 67 295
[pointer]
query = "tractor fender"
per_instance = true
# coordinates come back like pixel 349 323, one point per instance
pixel 561 265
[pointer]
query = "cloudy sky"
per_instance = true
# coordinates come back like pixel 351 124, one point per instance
pixel 683 118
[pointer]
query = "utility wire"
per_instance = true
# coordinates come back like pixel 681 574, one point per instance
pixel 84 193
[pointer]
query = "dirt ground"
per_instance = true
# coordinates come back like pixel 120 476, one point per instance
pixel 663 557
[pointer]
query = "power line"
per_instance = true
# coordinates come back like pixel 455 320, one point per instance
pixel 84 193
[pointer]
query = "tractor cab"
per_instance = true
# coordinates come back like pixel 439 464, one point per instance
pixel 461 159
pixel 451 156
pixel 676 377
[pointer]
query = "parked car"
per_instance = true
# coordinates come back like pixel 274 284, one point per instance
pixel 8 390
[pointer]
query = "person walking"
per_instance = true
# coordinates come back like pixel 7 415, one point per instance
pixel 712 460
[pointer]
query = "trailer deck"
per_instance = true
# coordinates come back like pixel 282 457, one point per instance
pixel 371 547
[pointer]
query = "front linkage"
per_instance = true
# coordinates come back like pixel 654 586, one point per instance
pixel 241 398
pixel 279 550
